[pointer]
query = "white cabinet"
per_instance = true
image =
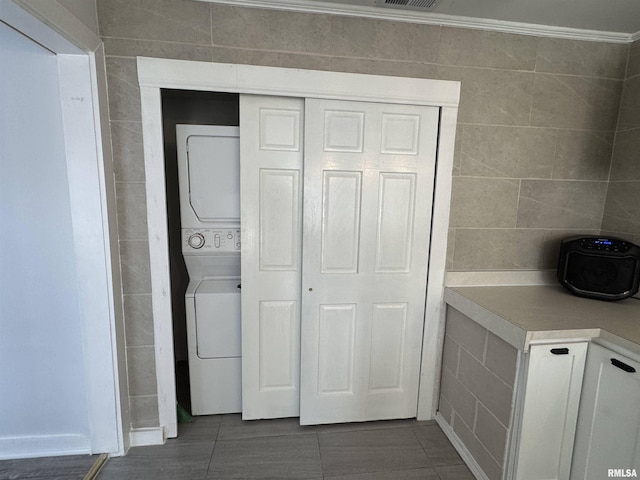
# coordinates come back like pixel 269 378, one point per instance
pixel 550 411
pixel 608 429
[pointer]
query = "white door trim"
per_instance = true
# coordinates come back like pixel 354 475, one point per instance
pixel 154 74
pixel 89 172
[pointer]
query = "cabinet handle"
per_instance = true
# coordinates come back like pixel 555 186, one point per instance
pixel 622 366
pixel 560 351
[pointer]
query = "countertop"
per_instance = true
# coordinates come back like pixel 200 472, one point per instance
pixel 524 315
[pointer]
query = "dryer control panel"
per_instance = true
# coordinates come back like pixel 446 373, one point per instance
pixel 210 240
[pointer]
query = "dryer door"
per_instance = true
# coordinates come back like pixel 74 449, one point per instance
pixel 218 319
pixel 209 174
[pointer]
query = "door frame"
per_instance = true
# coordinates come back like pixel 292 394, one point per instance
pixel 155 74
pixel 87 143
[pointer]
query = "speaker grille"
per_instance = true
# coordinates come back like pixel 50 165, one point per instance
pixel 607 275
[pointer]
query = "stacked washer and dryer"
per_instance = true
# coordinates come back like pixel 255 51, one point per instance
pixel 209 179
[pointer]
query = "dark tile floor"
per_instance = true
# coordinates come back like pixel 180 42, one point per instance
pixel 225 447
pixel 71 467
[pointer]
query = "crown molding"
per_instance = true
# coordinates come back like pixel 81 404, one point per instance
pixel 413 16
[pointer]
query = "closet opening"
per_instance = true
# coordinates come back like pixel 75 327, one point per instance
pixel 158 75
pixel 185 107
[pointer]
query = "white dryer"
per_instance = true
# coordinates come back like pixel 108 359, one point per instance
pixel 209 179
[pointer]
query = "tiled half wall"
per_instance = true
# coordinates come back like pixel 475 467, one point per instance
pixel 478 375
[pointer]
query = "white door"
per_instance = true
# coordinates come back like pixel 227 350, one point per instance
pixel 608 432
pixel 368 188
pixel 271 151
pixel 550 411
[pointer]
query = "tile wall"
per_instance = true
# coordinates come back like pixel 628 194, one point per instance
pixel 478 375
pixel 536 126
pixel 622 208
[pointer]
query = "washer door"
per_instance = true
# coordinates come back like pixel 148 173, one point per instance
pixel 218 319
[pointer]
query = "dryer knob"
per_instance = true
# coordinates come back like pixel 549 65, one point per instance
pixel 196 240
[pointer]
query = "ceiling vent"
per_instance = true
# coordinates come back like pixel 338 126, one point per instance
pixel 412 4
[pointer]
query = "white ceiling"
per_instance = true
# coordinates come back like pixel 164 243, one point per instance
pixel 609 20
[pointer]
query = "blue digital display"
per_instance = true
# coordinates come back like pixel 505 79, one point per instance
pixel 602 242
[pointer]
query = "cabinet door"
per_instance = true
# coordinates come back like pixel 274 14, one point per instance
pixel 368 188
pixel 608 433
pixel 271 133
pixel 550 411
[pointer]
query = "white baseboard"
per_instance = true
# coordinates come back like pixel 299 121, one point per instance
pixel 461 448
pixel 141 437
pixel 43 446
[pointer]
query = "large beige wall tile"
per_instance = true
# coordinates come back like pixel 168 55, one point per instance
pixel 486 386
pixel 138 320
pixel 466 333
pixel 630 104
pixel 574 57
pixel 501 249
pixel 144 411
pixel 565 101
pixel 271 59
pixel 450 354
pixel 124 92
pixel 83 10
pixel 128 156
pixel 459 397
pixel 125 47
pixel 445 409
pixel 561 204
pixel 382 67
pixel 501 358
pixel 382 39
pixel 457 150
pixel 132 211
pixel 480 48
pixel 633 65
pixel 512 152
pixel 134 261
pixel 173 20
pixel 495 97
pixel 142 371
pixel 583 155
pixel 625 163
pixel 484 202
pixel 554 238
pixel 487 463
pixel 354 36
pixel 622 212
pixel 631 237
pixel 270 29
pixel 491 433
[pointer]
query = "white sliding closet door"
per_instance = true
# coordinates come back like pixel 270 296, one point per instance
pixel 368 189
pixel 271 148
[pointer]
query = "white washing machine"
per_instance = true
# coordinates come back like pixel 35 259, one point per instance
pixel 209 178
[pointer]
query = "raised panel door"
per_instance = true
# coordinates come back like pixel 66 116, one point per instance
pixel 271 149
pixel 368 189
